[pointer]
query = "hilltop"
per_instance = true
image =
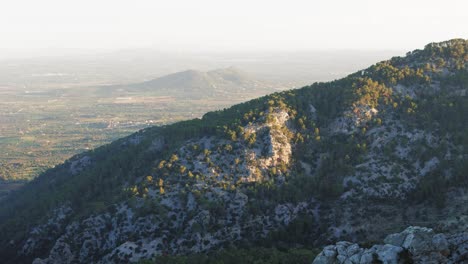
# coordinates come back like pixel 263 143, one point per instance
pixel 354 159
pixel 194 84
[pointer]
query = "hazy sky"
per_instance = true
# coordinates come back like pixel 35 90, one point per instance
pixel 53 25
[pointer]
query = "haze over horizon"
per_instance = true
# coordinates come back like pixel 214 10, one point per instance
pixel 52 27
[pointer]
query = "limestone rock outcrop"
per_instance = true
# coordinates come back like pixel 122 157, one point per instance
pixel 413 245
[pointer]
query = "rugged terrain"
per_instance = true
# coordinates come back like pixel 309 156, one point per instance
pixel 354 159
pixel 413 245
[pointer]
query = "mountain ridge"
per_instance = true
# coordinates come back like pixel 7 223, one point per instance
pixel 306 166
pixel 196 84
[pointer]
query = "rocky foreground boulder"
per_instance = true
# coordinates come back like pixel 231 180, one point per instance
pixel 413 245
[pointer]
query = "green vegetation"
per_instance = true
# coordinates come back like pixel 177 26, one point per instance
pixel 116 165
pixel 42 129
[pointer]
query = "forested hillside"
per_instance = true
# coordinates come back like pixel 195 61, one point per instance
pixel 356 159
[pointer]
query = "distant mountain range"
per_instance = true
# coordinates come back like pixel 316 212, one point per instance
pixel 353 159
pixel 195 84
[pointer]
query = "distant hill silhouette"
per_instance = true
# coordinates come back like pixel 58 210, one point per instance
pixel 194 84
